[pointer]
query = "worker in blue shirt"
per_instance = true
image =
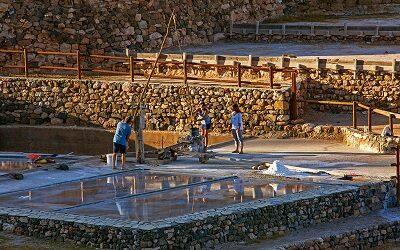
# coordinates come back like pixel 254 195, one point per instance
pixel 120 140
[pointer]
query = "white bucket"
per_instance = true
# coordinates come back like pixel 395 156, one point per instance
pixel 109 159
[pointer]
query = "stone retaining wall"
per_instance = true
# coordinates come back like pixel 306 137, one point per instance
pixel 369 142
pixel 252 220
pixel 367 238
pixel 370 88
pixel 96 26
pixel 103 104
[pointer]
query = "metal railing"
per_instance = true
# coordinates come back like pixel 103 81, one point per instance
pixel 320 29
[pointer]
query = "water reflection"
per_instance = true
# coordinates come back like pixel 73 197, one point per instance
pixel 80 192
pixel 188 200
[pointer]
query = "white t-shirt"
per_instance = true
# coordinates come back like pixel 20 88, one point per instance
pixel 237 121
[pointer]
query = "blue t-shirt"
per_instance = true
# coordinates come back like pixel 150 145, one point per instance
pixel 123 131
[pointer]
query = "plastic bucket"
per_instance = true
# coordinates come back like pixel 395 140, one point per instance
pixel 109 159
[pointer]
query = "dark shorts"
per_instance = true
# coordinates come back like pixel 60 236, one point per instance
pixel 206 126
pixel 119 148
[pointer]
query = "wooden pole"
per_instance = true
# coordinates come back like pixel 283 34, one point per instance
pixel 132 68
pixel 155 64
pixel 369 119
pixel 139 141
pixel 78 64
pixel 355 115
pixel 239 74
pixel 26 63
pixel 271 77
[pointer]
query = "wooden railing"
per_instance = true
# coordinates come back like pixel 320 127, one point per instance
pixel 370 110
pixel 137 66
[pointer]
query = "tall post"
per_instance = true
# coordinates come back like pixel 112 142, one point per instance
pixel 78 64
pixel 26 63
pixel 132 69
pixel 293 100
pixel 139 141
pixel 355 115
pixel 369 119
pixel 239 74
pixel 391 116
pixel 271 76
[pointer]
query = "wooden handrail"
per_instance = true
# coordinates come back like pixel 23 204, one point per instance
pixel 328 102
pixel 11 51
pixel 56 67
pixel 110 57
pixel 55 53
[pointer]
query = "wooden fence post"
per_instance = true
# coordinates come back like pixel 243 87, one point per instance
pixel 185 70
pixel 369 119
pixel 293 100
pixel 391 116
pixel 78 64
pixel 355 62
pixel 271 76
pixel 26 63
pixel 132 68
pixel 355 115
pixel 239 74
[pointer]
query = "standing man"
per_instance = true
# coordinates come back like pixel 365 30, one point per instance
pixel 120 140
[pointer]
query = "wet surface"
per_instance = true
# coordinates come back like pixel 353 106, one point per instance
pixel 97 189
pixel 8 165
pixel 189 200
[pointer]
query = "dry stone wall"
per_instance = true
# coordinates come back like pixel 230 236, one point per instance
pixel 97 26
pixel 100 103
pixel 372 88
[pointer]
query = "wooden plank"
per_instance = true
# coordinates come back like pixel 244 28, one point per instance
pixel 110 72
pixel 57 67
pixel 328 102
pixel 11 51
pixel 54 53
pixel 110 57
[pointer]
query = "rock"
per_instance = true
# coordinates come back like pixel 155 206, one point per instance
pixel 142 24
pixel 56 121
pixel 218 37
pixel 129 31
pixel 65 47
pixel 8 228
pixel 155 36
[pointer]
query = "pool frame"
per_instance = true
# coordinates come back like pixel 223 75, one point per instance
pixel 262 218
